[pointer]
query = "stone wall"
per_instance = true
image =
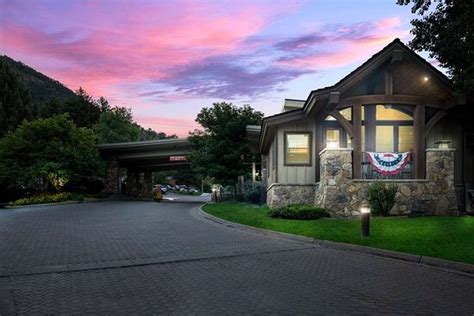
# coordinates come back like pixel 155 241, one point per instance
pixel 342 195
pixel 283 194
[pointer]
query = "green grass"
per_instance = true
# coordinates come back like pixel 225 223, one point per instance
pixel 450 238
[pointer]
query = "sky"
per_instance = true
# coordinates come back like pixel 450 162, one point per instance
pixel 168 59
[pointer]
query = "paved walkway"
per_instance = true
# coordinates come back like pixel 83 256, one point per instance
pixel 143 257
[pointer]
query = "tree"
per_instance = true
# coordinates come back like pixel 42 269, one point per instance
pixel 149 134
pixel 14 99
pixel 116 126
pixel 82 109
pixel 47 153
pixel 447 33
pixel 221 150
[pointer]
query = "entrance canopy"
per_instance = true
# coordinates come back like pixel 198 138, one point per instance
pixel 163 154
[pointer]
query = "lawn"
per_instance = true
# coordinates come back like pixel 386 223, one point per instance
pixel 450 238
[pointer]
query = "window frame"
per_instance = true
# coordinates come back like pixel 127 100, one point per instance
pixel 310 153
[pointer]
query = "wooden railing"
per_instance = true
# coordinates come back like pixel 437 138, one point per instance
pixel 368 171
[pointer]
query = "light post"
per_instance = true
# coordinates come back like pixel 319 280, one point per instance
pixel 365 220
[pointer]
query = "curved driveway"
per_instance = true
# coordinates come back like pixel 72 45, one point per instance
pixel 144 257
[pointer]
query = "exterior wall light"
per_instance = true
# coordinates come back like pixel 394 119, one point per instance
pixel 331 143
pixel 364 220
pixel 425 79
pixel 443 144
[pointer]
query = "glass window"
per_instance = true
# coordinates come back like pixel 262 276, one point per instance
pixel 384 138
pixel 332 138
pixel 347 113
pixel 387 113
pixel 362 138
pixel 297 149
pixel 405 138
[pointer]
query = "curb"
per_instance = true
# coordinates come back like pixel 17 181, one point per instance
pixel 451 266
pixel 13 207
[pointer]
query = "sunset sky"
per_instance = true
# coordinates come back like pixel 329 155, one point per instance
pixel 168 59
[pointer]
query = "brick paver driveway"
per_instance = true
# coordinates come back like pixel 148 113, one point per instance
pixel 143 257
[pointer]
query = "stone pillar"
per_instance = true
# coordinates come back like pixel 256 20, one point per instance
pixel 148 187
pixel 440 174
pixel 112 173
pixel 335 190
pixel 133 182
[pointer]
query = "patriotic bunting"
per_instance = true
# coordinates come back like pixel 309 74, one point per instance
pixel 389 163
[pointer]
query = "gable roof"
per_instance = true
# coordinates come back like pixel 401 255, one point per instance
pixel 389 51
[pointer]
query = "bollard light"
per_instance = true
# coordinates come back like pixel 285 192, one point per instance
pixel 365 220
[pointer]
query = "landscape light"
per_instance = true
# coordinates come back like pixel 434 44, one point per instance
pixel 364 220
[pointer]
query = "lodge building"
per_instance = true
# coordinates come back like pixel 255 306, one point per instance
pixel 395 118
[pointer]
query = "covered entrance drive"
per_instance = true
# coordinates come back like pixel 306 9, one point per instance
pixel 140 159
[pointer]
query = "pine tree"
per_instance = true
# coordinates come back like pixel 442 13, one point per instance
pixel 15 100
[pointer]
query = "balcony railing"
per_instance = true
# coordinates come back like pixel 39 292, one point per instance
pixel 368 172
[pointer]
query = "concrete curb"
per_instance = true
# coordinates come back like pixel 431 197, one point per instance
pixel 451 266
pixel 13 207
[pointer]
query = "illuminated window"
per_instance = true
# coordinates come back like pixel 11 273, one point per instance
pixel 405 138
pixel 332 138
pixel 384 138
pixel 362 137
pixel 387 113
pixel 298 149
pixel 346 113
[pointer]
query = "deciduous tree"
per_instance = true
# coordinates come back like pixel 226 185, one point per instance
pixel 221 149
pixel 48 153
pixel 446 30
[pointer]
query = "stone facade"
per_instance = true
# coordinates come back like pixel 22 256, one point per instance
pixel 283 194
pixel 342 196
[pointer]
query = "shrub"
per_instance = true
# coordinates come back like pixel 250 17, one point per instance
pixel 253 192
pixel 49 198
pixel 299 211
pixel 381 197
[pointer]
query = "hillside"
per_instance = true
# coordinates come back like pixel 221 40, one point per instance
pixel 41 86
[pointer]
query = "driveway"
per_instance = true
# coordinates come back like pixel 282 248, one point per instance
pixel 145 257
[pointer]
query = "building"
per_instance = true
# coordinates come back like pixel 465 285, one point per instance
pixel 323 150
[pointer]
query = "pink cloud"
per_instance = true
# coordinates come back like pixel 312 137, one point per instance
pixel 346 46
pixel 106 44
pixel 178 126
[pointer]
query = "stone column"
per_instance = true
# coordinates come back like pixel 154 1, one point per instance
pixel 148 187
pixel 440 174
pixel 335 186
pixel 112 173
pixel 133 178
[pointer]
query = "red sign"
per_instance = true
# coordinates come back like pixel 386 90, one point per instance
pixel 177 158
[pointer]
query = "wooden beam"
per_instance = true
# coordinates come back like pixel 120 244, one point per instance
pixel 393 99
pixel 435 119
pixel 370 126
pixel 356 141
pixel 419 144
pixel 344 123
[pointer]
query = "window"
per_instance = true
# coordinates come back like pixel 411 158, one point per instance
pixel 387 113
pixel 298 149
pixel 346 113
pixel 333 138
pixel 384 139
pixel 405 138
